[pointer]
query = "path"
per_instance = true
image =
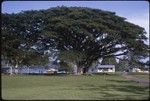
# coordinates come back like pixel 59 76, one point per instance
pixel 140 81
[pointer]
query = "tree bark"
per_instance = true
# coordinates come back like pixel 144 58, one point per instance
pixel 16 68
pixel 85 70
pixel 75 69
pixel 80 71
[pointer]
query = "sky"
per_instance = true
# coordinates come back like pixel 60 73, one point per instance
pixel 136 12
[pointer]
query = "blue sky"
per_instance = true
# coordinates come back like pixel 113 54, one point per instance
pixel 136 12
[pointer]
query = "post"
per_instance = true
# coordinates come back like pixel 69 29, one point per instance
pixel 11 71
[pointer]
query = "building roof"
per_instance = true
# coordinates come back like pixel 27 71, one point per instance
pixel 105 66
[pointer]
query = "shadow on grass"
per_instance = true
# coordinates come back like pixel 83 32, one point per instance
pixel 131 89
pixel 121 88
pixel 120 81
pixel 126 91
pixel 36 74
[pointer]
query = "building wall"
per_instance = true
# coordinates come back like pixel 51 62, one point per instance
pixel 107 70
pixel 139 70
pixel 98 70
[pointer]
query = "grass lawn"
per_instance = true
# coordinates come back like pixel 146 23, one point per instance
pixel 96 87
pixel 144 76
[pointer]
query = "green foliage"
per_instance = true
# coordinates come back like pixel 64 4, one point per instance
pixel 71 56
pixel 109 61
pixel 122 65
pixel 66 66
pixel 19 35
pixel 34 58
pixel 80 34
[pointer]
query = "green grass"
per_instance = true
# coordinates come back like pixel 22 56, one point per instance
pixel 144 76
pixel 95 87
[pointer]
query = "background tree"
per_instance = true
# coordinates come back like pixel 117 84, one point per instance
pixel 18 39
pixel 122 65
pixel 65 66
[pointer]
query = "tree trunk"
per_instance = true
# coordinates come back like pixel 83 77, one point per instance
pixel 11 70
pixel 16 69
pixel 85 70
pixel 75 69
pixel 80 71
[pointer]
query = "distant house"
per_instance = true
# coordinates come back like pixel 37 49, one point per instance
pixel 144 70
pixel 34 70
pixel 102 69
pixel 135 70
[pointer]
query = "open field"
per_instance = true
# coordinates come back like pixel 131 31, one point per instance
pixel 95 87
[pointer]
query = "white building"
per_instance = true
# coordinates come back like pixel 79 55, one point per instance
pixel 102 69
pixel 135 70
pixel 146 70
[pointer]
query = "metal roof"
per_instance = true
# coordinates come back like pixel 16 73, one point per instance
pixel 105 66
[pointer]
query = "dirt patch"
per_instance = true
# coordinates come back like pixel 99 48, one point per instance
pixel 138 80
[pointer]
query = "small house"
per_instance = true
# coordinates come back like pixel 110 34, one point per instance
pixel 144 70
pixel 102 68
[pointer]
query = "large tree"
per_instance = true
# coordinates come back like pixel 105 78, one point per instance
pixel 93 33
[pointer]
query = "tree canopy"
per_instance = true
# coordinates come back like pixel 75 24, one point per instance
pixel 79 34
pixel 109 61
